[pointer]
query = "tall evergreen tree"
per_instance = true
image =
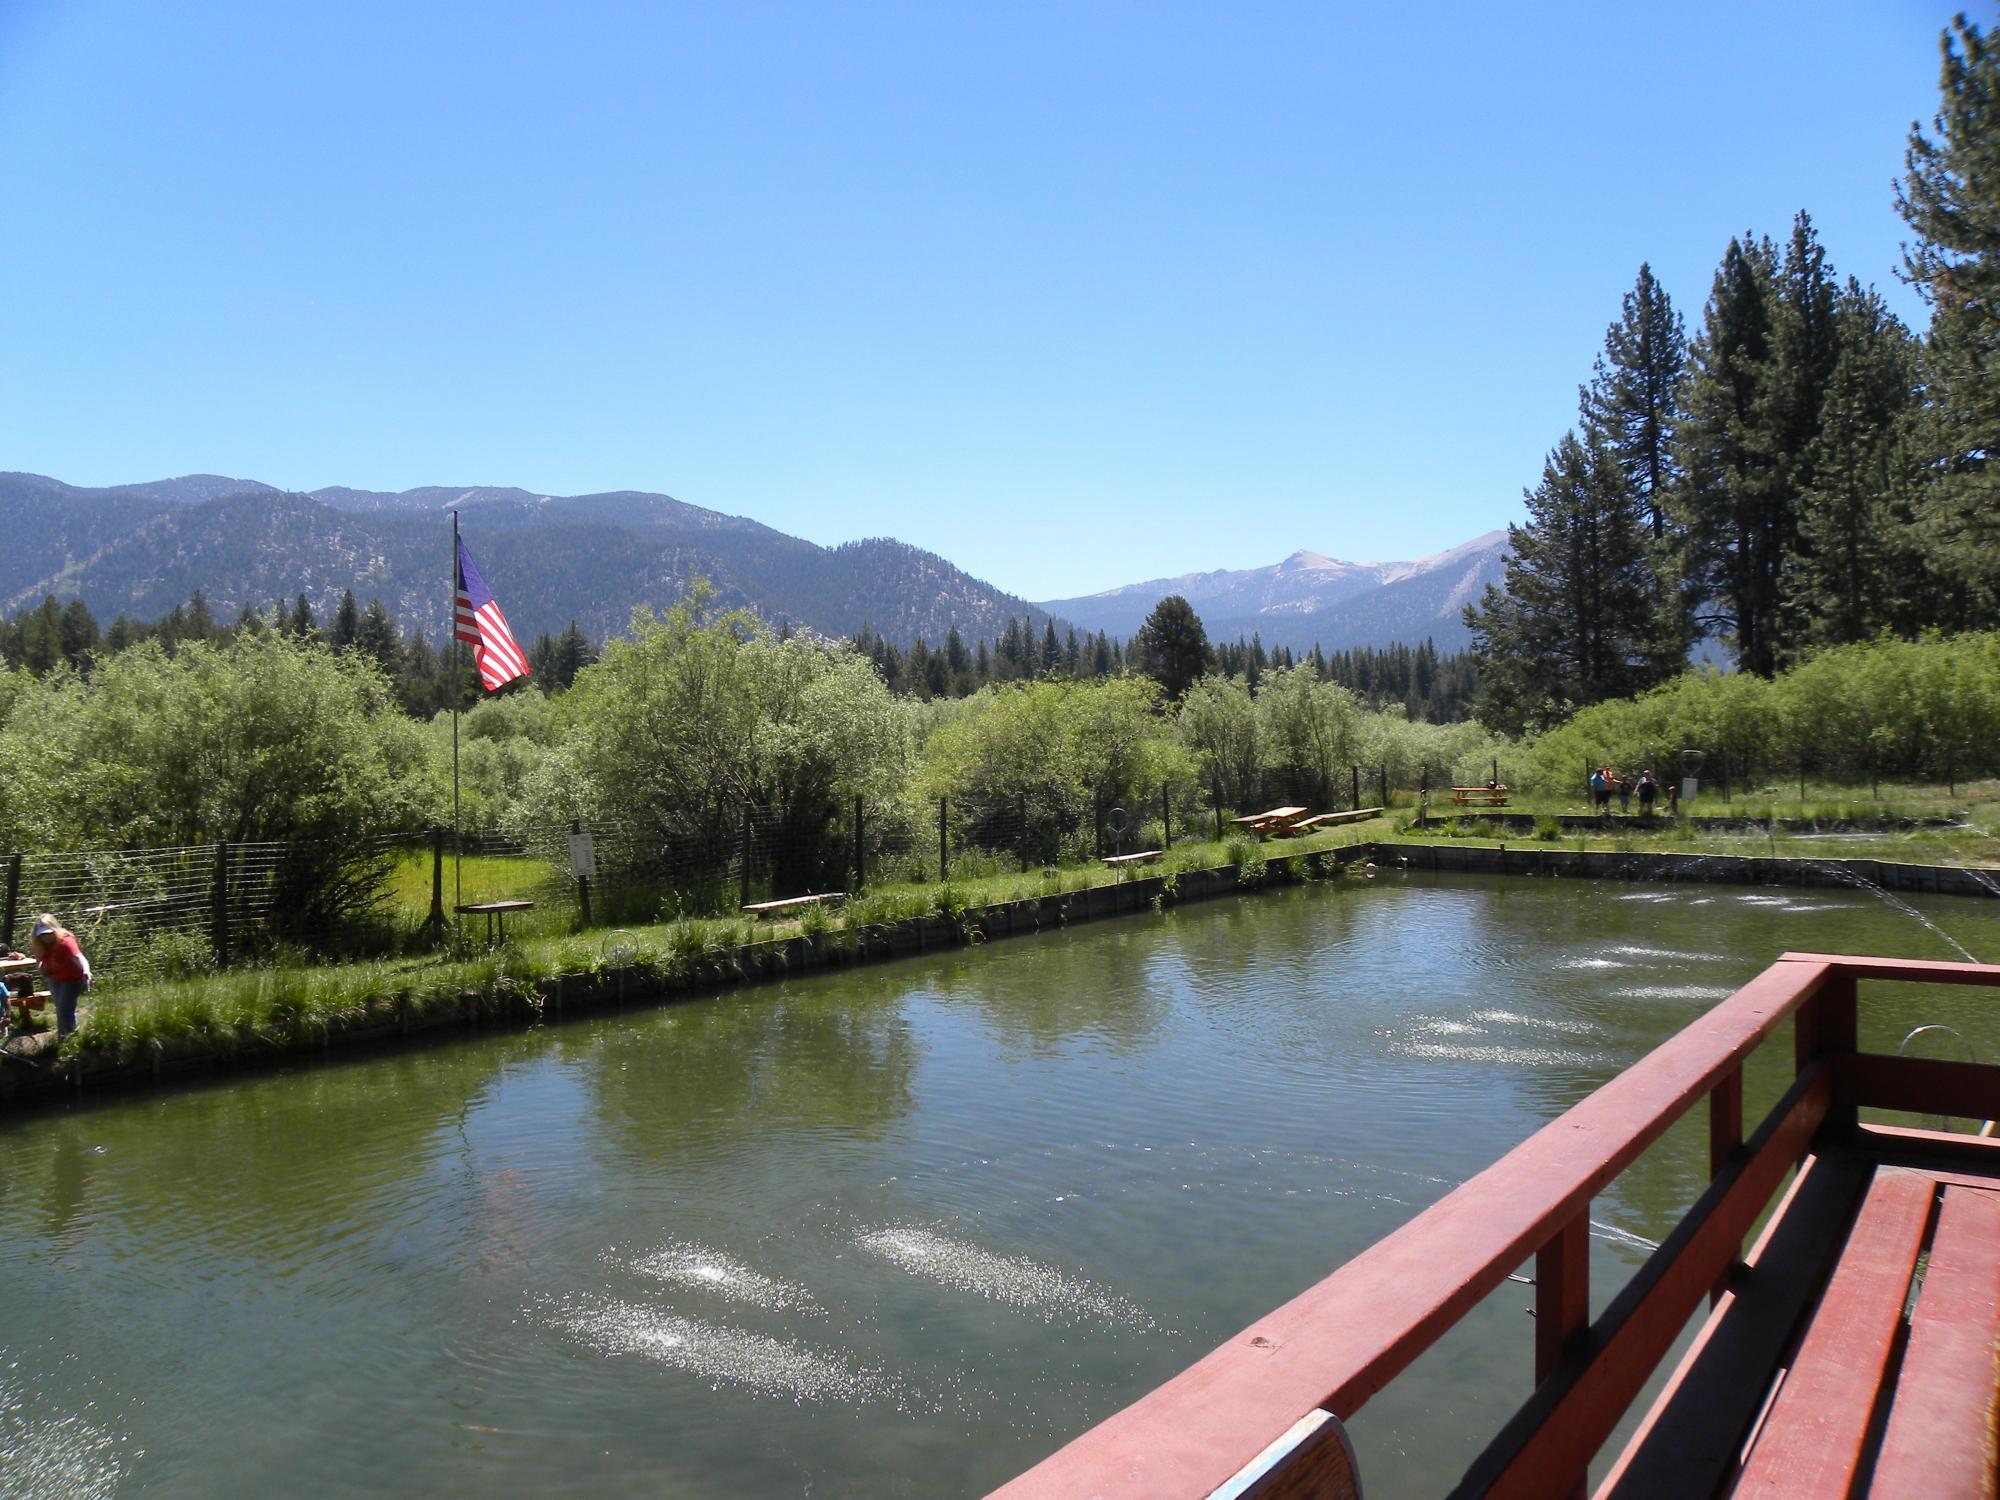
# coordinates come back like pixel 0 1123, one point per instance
pixel 1172 646
pixel 1730 496
pixel 1950 197
pixel 346 623
pixel 1633 400
pixel 1575 624
pixel 1857 572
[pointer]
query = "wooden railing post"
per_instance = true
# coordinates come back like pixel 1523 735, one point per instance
pixel 1725 1139
pixel 1562 1308
pixel 1837 1019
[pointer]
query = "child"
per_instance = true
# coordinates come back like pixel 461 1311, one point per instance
pixel 55 948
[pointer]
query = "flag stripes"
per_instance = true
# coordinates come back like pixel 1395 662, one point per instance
pixel 477 620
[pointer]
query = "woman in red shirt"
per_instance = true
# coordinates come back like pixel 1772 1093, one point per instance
pixel 55 948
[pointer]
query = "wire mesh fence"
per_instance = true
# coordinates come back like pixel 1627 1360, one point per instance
pixel 144 914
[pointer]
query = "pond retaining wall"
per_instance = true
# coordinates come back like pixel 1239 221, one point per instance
pixel 566 996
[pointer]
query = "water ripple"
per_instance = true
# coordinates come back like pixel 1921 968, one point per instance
pixel 1015 1281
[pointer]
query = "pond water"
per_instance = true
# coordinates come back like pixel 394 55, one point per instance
pixel 892 1231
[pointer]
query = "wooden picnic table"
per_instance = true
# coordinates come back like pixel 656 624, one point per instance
pixel 1277 816
pixel 794 903
pixel 495 911
pixel 1479 796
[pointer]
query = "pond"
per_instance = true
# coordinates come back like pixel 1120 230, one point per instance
pixel 893 1231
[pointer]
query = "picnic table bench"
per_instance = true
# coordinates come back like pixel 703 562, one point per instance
pixel 1265 822
pixel 1328 820
pixel 794 903
pixel 26 1004
pixel 1141 857
pixel 1479 796
pixel 495 911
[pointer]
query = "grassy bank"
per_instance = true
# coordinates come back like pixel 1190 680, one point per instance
pixel 269 1011
pixel 250 1011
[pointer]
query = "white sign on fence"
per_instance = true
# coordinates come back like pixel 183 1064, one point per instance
pixel 582 856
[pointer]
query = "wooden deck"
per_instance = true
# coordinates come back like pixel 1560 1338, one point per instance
pixel 1828 1364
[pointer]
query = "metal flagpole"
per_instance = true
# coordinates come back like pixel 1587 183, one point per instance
pixel 457 649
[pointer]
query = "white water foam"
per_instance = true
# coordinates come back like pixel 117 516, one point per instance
pixel 1515 1057
pixel 733 1356
pixel 1674 992
pixel 1634 950
pixel 1013 1280
pixel 705 1269
pixel 1616 1236
pixel 1591 963
pixel 1535 1023
pixel 44 1452
pixel 1429 1027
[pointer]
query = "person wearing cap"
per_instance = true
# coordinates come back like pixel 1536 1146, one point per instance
pixel 55 948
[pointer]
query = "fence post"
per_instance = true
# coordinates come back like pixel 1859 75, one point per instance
pixel 860 850
pixel 944 841
pixel 1802 778
pixel 1355 772
pixel 1215 786
pixel 13 899
pixel 436 918
pixel 1024 831
pixel 1385 786
pixel 582 881
pixel 1725 773
pixel 1097 820
pixel 1166 817
pixel 743 876
pixel 219 913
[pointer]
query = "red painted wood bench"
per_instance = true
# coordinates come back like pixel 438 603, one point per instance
pixel 1854 1350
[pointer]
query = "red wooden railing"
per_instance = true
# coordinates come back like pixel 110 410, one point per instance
pixel 1336 1344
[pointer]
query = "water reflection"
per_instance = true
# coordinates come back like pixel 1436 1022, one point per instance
pixel 895 1230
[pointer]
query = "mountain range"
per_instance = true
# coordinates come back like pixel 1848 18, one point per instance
pixel 140 549
pixel 1308 599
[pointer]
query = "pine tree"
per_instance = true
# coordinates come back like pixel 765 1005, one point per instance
pixel 573 652
pixel 1633 400
pixel 1950 198
pixel 346 623
pixel 1857 572
pixel 1051 651
pixel 301 623
pixel 1575 623
pixel 1730 500
pixel 1172 647
pixel 377 636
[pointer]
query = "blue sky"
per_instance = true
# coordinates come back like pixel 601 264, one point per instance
pixel 1074 294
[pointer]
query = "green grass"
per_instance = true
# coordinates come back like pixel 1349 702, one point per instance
pixel 260 1010
pixel 288 1006
pixel 484 877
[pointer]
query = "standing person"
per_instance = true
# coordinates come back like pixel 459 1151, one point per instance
pixel 1648 790
pixel 1624 786
pixel 1600 790
pixel 55 948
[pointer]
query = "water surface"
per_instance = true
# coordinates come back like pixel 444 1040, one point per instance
pixel 894 1231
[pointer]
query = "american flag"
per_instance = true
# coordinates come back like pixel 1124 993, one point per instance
pixel 477 621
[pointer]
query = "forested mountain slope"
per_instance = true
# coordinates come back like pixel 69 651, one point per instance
pixel 141 549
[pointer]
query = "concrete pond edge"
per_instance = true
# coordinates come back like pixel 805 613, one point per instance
pixel 517 1006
